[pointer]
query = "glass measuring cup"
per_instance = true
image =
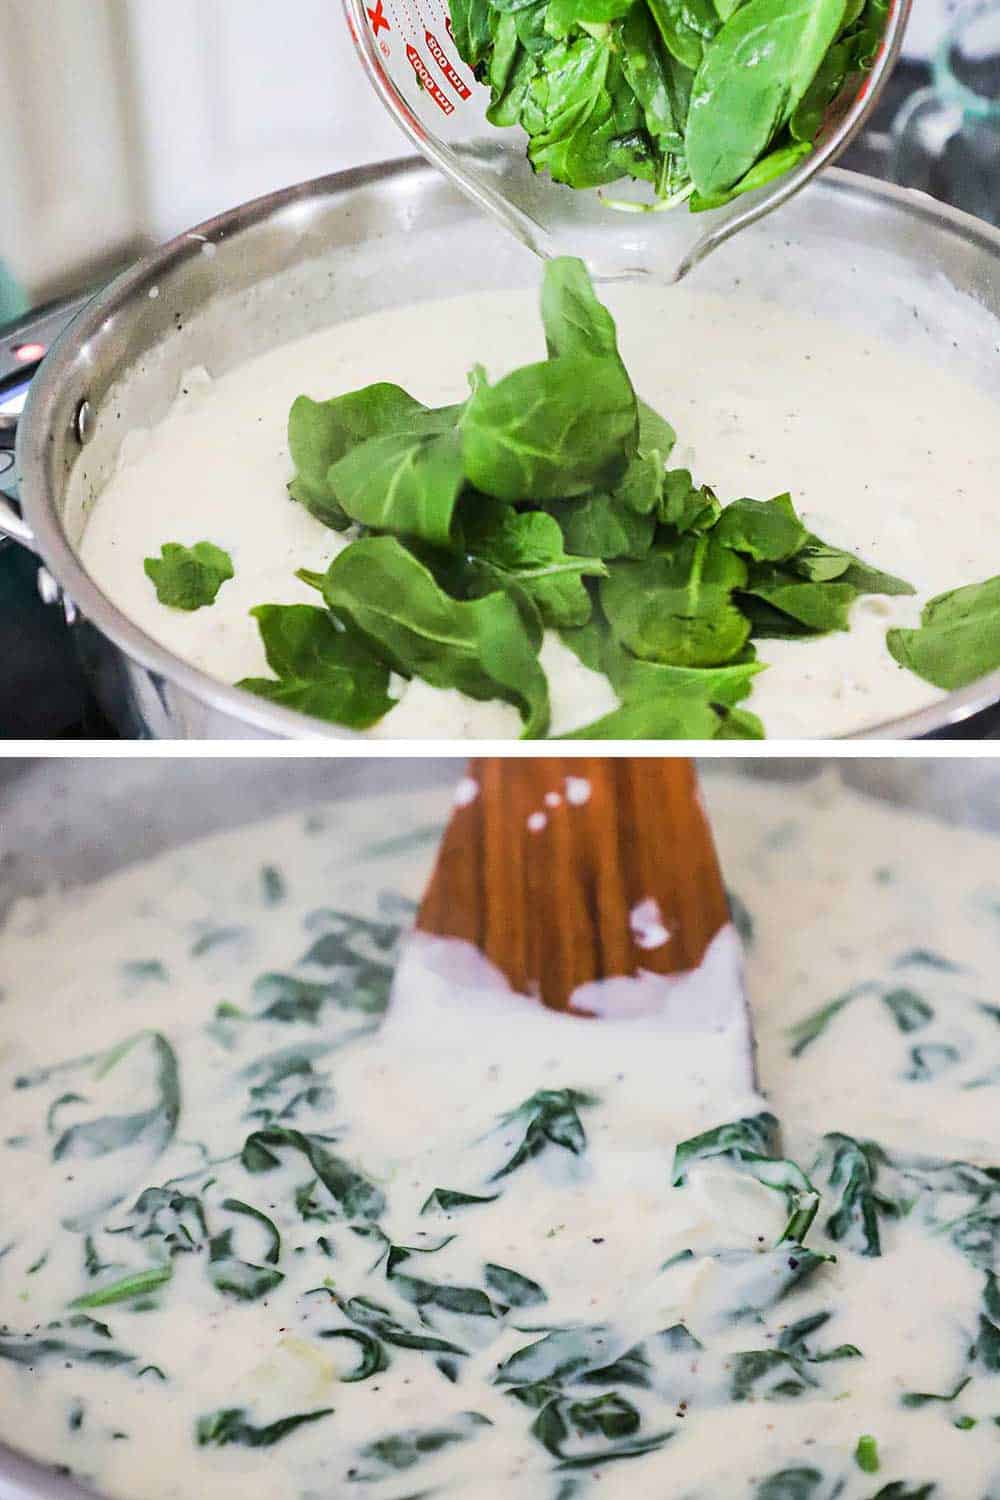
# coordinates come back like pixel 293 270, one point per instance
pixel 946 139
pixel 412 61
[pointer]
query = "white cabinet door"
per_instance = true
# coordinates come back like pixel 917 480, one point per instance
pixel 68 195
pixel 238 97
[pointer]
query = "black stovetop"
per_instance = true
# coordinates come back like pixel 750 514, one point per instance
pixel 43 694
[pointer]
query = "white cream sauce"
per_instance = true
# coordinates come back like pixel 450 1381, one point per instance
pixel 846 897
pixel 883 451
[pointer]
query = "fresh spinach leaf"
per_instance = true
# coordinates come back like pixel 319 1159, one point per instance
pixel 656 435
pixel 404 482
pixel 766 530
pixel 775 164
pixel 820 562
pixel 811 608
pixel 189 578
pixel 641 488
pixel 829 79
pixel 750 82
pixel 687 506
pixel 740 724
pixel 683 718
pixel 551 431
pixel 526 549
pixel 603 526
pixel 647 70
pixel 958 640
pixel 575 321
pixel 321 668
pixel 321 433
pixel 676 607
pixel 481 647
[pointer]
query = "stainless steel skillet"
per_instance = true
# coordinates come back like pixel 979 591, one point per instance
pixel 846 248
pixel 56 814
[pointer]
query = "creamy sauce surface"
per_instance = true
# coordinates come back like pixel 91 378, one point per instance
pixel 207 1027
pixel 884 452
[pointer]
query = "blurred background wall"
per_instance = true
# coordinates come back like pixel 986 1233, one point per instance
pixel 125 121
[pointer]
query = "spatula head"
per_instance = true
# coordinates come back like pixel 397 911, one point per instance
pixel 567 870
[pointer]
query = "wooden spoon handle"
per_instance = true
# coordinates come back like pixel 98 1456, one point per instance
pixel 565 870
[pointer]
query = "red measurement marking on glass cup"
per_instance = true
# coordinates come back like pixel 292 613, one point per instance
pixel 427 80
pixel 378 18
pixel 447 67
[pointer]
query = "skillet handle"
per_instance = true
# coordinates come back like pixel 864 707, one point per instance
pixel 11 523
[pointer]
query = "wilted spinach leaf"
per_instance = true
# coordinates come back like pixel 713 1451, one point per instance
pixel 372 1359
pixel 791 1484
pixel 357 1197
pixel 75 1340
pixel 150 1129
pixel 404 1450
pixel 572 1431
pixel 382 1323
pixel 446 1201
pixel 850 1169
pixel 125 1288
pixel 230 1425
pixel 549 1118
pixel 513 1289
pixel 910 1011
pixel 755 1135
